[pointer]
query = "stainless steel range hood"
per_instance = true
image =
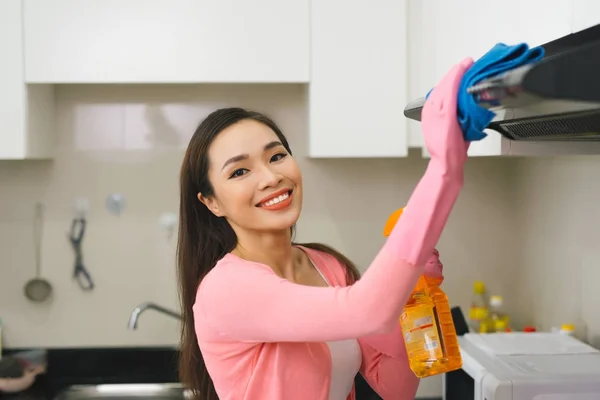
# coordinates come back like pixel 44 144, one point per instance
pixel 554 100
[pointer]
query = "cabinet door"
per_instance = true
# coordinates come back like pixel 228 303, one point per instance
pixel 455 30
pixel 155 41
pixel 12 93
pixel 420 60
pixel 586 13
pixel 539 23
pixel 358 79
pixel 447 32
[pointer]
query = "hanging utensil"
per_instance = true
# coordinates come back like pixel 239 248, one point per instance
pixel 38 289
pixel 80 272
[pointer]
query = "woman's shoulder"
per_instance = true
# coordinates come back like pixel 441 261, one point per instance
pixel 229 272
pixel 231 267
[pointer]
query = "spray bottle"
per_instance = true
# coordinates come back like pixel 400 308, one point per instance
pixel 427 325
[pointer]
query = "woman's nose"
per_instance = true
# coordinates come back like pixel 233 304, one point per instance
pixel 269 178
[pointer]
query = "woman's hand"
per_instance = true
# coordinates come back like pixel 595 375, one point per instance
pixel 434 267
pixel 442 133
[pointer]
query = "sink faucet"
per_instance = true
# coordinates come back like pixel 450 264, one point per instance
pixel 135 314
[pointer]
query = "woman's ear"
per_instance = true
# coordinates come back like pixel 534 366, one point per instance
pixel 211 203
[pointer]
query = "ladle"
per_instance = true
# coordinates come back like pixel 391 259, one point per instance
pixel 38 289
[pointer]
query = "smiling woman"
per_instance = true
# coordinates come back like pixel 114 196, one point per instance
pixel 266 318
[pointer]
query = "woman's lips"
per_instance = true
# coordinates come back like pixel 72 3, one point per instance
pixel 277 203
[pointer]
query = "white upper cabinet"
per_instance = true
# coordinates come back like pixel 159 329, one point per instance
pixel 586 13
pixel 26 113
pixel 539 21
pixel 442 33
pixel 358 85
pixel 171 41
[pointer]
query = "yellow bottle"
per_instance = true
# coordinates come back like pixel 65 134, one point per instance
pixel 497 319
pixel 427 324
pixel 478 313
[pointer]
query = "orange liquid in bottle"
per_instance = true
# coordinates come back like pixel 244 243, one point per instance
pixel 429 333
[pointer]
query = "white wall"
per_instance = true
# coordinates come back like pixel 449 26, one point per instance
pixel 558 200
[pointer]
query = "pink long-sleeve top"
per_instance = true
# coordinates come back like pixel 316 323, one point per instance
pixel 263 337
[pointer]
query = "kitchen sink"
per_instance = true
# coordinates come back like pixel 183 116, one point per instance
pixel 119 391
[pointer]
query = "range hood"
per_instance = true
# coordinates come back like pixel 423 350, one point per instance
pixel 554 100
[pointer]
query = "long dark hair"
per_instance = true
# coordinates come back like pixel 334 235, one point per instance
pixel 204 239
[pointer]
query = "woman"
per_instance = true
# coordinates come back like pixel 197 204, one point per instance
pixel 264 318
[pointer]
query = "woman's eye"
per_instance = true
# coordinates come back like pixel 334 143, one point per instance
pixel 278 156
pixel 238 172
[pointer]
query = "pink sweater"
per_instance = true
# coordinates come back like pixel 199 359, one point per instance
pixel 262 337
pixel 244 351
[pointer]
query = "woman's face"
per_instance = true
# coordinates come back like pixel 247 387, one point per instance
pixel 257 184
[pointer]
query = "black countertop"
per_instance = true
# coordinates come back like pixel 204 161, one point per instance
pixel 80 366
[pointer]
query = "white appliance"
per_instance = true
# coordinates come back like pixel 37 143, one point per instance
pixel 524 366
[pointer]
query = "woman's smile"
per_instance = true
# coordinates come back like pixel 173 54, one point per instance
pixel 279 200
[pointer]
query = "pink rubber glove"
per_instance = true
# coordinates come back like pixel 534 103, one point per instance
pixel 428 208
pixel 442 133
pixel 434 267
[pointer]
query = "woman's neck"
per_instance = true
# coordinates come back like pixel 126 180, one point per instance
pixel 272 249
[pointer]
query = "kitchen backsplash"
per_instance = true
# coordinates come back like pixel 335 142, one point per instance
pixel 130 140
pixel 506 229
pixel 559 272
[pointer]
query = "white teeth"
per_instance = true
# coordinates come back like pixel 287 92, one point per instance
pixel 276 200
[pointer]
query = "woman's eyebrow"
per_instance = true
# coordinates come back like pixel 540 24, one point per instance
pixel 242 157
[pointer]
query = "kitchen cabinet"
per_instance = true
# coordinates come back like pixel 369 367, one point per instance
pixel 26 112
pixel 586 13
pixel 538 24
pixel 469 28
pixel 358 85
pixel 166 41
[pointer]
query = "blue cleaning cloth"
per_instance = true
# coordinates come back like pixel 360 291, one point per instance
pixel 473 118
